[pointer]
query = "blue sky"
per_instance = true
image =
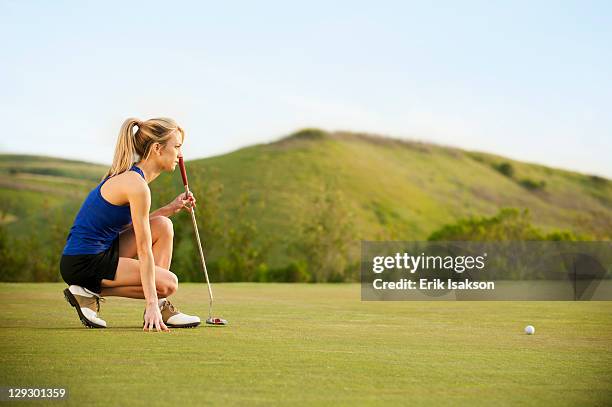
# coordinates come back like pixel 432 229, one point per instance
pixel 528 80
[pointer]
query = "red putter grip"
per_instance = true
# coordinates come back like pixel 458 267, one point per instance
pixel 183 172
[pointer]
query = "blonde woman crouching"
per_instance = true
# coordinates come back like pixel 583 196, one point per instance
pixel 115 246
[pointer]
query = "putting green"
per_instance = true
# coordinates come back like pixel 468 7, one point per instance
pixel 311 344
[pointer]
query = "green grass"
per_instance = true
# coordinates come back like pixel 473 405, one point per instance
pixel 311 345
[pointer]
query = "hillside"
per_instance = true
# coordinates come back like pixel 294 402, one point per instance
pixel 390 189
pixel 399 189
pixel 413 187
pixel 30 183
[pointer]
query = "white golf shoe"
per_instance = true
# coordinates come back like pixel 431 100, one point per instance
pixel 173 318
pixel 87 305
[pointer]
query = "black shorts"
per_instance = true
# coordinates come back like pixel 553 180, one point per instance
pixel 88 270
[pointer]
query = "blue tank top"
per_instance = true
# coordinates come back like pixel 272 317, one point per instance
pixel 98 223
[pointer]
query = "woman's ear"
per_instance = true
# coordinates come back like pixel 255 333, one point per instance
pixel 157 147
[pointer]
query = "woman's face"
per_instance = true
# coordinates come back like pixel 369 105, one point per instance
pixel 169 154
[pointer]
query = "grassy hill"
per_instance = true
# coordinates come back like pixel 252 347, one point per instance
pixel 28 184
pixel 412 187
pixel 386 189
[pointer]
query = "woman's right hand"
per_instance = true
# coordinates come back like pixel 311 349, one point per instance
pixel 153 319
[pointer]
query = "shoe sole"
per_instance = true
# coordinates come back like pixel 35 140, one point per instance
pixel 73 302
pixel 192 325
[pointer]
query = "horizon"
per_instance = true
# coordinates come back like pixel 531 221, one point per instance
pixel 388 137
pixel 529 82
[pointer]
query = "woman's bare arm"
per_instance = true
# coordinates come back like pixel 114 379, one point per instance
pixel 163 211
pixel 140 202
pixel 139 196
pixel 179 203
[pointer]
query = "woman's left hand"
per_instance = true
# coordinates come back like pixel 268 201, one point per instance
pixel 183 201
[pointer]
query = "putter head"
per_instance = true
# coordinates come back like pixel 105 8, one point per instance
pixel 216 321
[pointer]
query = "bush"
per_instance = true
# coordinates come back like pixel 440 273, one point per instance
pixel 244 258
pixel 295 272
pixel 566 236
pixel 597 180
pixel 34 256
pixel 308 134
pixel 508 224
pixel 532 185
pixel 506 169
pixel 323 243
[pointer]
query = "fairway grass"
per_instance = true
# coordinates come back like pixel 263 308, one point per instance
pixel 303 344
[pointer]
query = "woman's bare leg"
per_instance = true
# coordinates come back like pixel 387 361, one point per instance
pixel 127 281
pixel 162 234
pixel 128 292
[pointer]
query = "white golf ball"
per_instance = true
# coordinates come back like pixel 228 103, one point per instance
pixel 529 330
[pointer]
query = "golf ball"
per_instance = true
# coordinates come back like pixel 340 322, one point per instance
pixel 529 330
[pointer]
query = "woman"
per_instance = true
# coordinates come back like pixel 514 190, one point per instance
pixel 114 226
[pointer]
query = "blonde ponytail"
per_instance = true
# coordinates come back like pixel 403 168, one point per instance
pixel 124 150
pixel 133 146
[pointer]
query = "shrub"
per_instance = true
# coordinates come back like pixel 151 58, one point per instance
pixel 308 134
pixel 295 272
pixel 324 240
pixel 508 224
pixel 532 185
pixel 505 169
pixel 597 180
pixel 244 258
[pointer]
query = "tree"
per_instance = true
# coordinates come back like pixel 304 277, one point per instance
pixel 185 261
pixel 325 239
pixel 508 224
pixel 244 258
pixel 5 259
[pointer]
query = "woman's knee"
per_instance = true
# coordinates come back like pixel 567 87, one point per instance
pixel 163 225
pixel 168 286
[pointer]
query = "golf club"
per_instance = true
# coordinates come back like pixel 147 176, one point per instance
pixel 210 320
